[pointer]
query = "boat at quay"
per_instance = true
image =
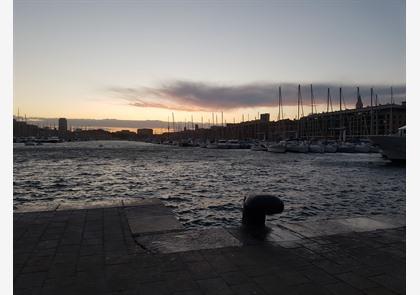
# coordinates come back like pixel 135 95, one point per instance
pixel 280 147
pixel 391 147
pixel 292 146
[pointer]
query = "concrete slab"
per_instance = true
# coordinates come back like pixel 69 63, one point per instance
pixel 35 208
pixel 361 224
pixel 395 220
pixel 142 202
pixel 279 234
pixel 188 240
pixel 148 210
pixel 149 224
pixel 311 229
pixel 89 205
pixel 317 228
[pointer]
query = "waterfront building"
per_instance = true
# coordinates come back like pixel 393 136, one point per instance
pixel 145 132
pixel 62 124
pixel 359 122
pixel 340 125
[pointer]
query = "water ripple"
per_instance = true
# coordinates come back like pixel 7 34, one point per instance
pixel 206 187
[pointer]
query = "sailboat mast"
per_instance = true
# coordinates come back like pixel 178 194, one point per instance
pixel 312 100
pixel 328 100
pixel 371 111
pixel 391 116
pixel 280 115
pixel 298 116
pixel 340 99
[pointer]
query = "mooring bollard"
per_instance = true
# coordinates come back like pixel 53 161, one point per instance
pixel 256 207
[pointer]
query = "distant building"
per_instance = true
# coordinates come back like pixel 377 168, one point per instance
pixel 145 132
pixel 62 124
pixel 265 118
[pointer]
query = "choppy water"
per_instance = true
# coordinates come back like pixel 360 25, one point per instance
pixel 205 187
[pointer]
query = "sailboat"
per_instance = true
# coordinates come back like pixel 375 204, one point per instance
pixel 280 147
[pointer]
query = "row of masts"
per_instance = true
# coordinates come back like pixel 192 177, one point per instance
pixel 280 116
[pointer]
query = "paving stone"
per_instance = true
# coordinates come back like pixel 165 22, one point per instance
pixel 201 270
pixel 89 263
pixel 270 284
pixel 342 289
pixel 235 278
pixel 319 276
pixel 332 267
pixel 30 280
pixel 390 282
pixel 154 288
pixel 221 263
pixel 189 292
pixel 172 262
pixel 94 252
pixel 214 286
pixel 357 281
pixel 247 289
pixel 180 281
pixel 378 291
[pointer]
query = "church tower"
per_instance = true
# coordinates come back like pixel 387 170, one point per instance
pixel 359 103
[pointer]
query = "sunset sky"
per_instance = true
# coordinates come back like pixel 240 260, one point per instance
pixel 143 60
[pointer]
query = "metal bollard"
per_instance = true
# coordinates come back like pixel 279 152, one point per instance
pixel 256 207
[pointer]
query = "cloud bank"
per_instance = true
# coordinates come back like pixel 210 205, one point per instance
pixel 200 96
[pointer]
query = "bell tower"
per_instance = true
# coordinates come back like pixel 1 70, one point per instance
pixel 359 103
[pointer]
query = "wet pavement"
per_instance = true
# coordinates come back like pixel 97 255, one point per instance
pixel 141 248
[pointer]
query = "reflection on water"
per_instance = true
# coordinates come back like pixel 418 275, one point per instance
pixel 205 187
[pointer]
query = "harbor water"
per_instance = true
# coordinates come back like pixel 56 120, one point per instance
pixel 205 187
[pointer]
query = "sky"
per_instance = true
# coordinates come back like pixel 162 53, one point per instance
pixel 144 60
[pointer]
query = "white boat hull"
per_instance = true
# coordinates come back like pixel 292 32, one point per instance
pixel 277 148
pixel 259 148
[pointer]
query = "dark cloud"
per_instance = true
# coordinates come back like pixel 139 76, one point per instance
pixel 199 96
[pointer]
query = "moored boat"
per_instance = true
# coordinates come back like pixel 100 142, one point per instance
pixel 316 147
pixel 279 147
pixel 295 146
pixel 361 148
pixel 346 147
pixel 259 146
pixel 391 147
pixel 330 147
